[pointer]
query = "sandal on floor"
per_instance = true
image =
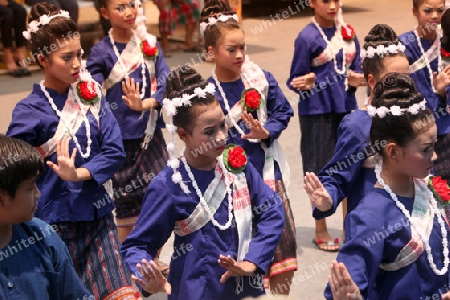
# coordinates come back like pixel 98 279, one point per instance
pixel 15 73
pixel 25 72
pixel 192 49
pixel 167 53
pixel 330 246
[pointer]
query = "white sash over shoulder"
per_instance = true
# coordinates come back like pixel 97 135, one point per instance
pixel 333 49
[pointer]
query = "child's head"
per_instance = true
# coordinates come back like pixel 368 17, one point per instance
pixel 121 13
pixel 200 123
pixel 325 11
pixel 223 35
pixel 54 39
pixel 375 65
pixel 20 166
pixel 428 14
pixel 445 24
pixel 403 129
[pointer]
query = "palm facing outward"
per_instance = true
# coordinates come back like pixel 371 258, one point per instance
pixel 341 283
pixel 318 195
pixel 153 281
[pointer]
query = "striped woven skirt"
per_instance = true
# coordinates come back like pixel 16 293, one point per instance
pixel 177 12
pixel 131 181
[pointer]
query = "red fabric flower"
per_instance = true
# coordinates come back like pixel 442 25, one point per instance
pixel 148 50
pixel 445 54
pixel 87 92
pixel 237 157
pixel 348 33
pixel 441 187
pixel 251 99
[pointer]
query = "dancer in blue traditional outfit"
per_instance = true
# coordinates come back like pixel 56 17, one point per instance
pixel 254 126
pixel 423 49
pixel 130 65
pixel 350 172
pixel 325 72
pixel 67 119
pixel 397 236
pixel 227 221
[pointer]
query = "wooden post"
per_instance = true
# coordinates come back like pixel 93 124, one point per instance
pixel 236 5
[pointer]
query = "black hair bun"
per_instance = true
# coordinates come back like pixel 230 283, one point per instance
pixel 445 24
pixel 214 7
pixel 183 80
pixel 396 89
pixel 380 34
pixel 42 8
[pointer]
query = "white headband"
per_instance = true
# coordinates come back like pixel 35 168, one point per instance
pixel 35 25
pixel 395 110
pixel 382 50
pixel 214 19
pixel 170 106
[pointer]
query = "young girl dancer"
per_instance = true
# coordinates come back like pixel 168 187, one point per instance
pixel 350 172
pixel 397 237
pixel 227 222
pixel 233 74
pixel 128 62
pixel 67 119
pixel 325 72
pixel 423 49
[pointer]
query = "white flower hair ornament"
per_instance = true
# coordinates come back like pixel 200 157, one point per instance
pixel 35 25
pixel 214 19
pixel 395 110
pixel 382 50
pixel 170 106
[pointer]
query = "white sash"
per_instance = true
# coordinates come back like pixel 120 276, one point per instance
pixel 73 115
pixel 253 77
pixel 431 54
pixel 422 215
pixel 331 50
pixel 130 59
pixel 242 210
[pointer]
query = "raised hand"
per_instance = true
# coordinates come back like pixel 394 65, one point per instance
pixel 441 80
pixel 132 95
pixel 305 82
pixel 65 167
pixel 153 281
pixel 318 195
pixel 341 283
pixel 356 79
pixel 234 268
pixel 257 131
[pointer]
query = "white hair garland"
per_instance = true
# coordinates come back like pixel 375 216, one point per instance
pixel 35 25
pixel 382 50
pixel 214 19
pixel 170 106
pixel 395 110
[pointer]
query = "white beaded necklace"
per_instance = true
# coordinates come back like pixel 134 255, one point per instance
pixel 341 44
pixel 116 51
pixel 225 100
pixel 202 199
pixel 427 62
pixel 69 128
pixel 437 212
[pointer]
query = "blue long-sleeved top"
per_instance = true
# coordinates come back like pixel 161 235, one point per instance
pixel 194 270
pixel 344 175
pixel 421 77
pixel 375 233
pixel 329 94
pixel 279 113
pixel 34 121
pixel 100 63
pixel 36 265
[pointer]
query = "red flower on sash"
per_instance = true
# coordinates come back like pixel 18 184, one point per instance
pixel 348 33
pixel 444 54
pixel 87 92
pixel 440 189
pixel 149 51
pixel 234 158
pixel 251 99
